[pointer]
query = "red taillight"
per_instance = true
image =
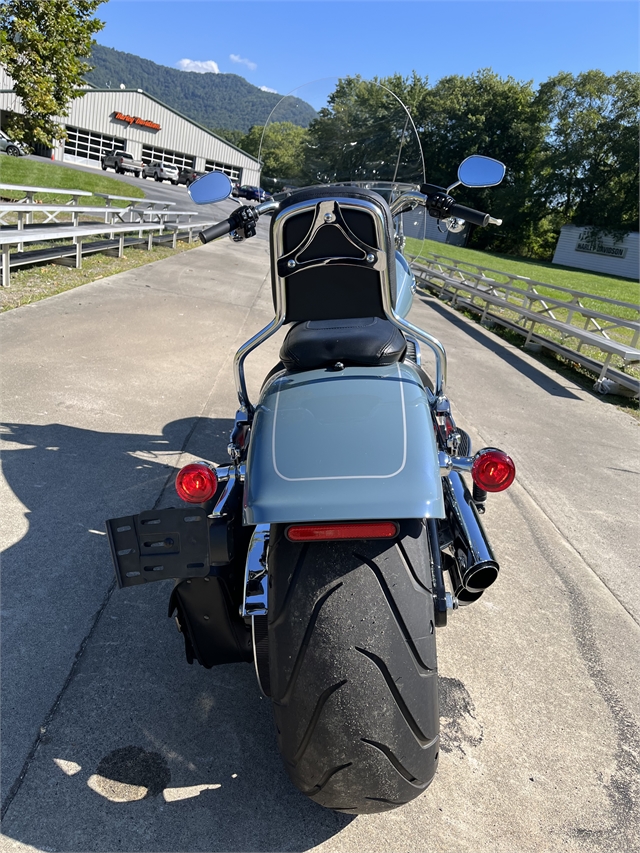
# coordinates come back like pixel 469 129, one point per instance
pixel 493 470
pixel 196 483
pixel 352 530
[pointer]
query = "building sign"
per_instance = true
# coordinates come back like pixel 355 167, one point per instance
pixel 141 122
pixel 594 245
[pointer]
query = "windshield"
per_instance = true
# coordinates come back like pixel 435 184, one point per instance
pixel 363 135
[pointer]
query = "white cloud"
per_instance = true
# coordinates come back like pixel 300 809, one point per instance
pixel 267 89
pixel 200 67
pixel 234 57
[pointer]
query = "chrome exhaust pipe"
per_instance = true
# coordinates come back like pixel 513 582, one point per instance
pixel 463 595
pixel 476 566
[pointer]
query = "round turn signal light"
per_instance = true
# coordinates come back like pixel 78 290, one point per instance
pixel 493 470
pixel 196 483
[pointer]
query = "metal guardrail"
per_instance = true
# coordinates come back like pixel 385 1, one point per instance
pixel 31 191
pixel 145 216
pixel 557 320
pixel 166 232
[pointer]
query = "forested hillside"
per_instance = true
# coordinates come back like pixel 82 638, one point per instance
pixel 213 100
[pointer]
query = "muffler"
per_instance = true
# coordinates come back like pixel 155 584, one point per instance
pixel 463 595
pixel 475 566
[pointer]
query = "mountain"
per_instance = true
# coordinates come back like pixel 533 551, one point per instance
pixel 213 100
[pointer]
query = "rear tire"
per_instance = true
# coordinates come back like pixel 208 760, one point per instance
pixel 352 662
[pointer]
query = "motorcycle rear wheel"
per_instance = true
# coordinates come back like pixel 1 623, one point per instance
pixel 352 663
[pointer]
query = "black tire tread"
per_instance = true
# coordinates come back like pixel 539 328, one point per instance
pixel 397 698
pixel 353 668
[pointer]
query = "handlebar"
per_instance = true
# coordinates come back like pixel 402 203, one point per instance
pixel 475 217
pixel 243 220
pixel 217 230
pixel 442 204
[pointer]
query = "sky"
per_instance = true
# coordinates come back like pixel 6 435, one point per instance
pixel 281 45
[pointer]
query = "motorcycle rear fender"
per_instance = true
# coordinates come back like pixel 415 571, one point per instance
pixel 350 444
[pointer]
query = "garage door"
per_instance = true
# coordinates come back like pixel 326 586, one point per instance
pixel 87 146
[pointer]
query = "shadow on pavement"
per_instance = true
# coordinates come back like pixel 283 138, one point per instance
pixel 504 351
pixel 139 750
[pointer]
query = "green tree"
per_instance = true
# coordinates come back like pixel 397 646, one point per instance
pixel 590 167
pixel 365 134
pixel 233 136
pixel 502 118
pixel 42 46
pixel 282 152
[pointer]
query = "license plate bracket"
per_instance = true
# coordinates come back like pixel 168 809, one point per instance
pixel 159 544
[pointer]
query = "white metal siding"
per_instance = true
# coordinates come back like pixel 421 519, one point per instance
pixel 95 110
pixel 568 254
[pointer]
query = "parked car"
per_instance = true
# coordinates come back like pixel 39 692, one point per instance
pixel 249 192
pixel 188 175
pixel 122 162
pixel 160 171
pixel 13 149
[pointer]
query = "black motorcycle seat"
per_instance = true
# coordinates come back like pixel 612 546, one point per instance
pixel 366 341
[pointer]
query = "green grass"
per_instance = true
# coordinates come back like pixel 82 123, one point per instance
pixel 613 287
pixel 19 170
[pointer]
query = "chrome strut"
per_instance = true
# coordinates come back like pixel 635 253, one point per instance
pixel 255 602
pixel 255 595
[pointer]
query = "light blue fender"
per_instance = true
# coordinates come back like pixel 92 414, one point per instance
pixel 353 444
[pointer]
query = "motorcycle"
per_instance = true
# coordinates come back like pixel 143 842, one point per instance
pixel 319 552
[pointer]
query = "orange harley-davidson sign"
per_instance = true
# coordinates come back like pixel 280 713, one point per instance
pixel 136 120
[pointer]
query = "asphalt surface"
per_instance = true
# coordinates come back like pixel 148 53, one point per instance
pixel 111 742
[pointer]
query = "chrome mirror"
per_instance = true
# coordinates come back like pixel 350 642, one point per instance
pixel 212 187
pixel 480 171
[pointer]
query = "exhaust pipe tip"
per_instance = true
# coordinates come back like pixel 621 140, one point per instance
pixel 462 593
pixel 480 577
pixel 465 597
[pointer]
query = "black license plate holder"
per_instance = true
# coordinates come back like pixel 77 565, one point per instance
pixel 160 544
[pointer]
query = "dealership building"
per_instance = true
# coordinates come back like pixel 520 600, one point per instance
pixel 130 119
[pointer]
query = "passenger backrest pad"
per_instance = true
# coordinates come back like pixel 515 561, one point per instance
pixel 320 251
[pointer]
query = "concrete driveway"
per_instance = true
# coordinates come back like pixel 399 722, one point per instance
pixel 111 742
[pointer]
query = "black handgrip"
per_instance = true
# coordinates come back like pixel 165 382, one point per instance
pixel 217 230
pixel 469 214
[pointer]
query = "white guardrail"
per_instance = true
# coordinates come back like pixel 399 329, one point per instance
pixel 599 333
pixel 78 234
pixel 151 220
